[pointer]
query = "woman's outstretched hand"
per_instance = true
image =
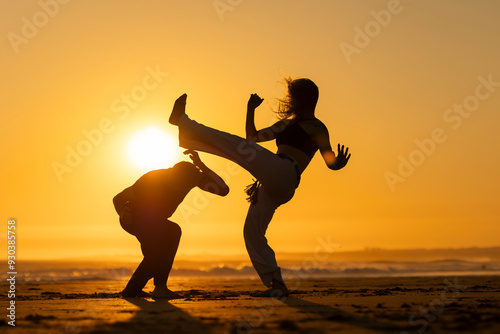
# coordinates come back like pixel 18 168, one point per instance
pixel 254 101
pixel 342 157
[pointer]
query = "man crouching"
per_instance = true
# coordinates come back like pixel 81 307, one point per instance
pixel 144 209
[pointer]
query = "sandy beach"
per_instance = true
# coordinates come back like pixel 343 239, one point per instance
pixel 452 304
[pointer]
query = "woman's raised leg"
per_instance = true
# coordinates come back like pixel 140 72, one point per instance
pixel 272 171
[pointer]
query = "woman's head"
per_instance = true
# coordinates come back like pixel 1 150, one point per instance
pixel 301 97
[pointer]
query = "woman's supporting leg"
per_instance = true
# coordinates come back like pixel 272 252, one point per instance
pixel 261 254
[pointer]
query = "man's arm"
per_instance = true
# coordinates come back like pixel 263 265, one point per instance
pixel 210 181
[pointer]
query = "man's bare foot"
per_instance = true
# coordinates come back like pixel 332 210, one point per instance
pixel 277 290
pixel 178 110
pixel 164 293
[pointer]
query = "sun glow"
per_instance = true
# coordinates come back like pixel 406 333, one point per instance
pixel 153 148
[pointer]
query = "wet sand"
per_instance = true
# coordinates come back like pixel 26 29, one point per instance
pixel 336 305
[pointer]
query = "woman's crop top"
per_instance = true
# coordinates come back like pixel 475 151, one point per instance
pixel 294 135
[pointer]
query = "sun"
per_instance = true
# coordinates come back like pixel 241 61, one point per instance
pixel 152 148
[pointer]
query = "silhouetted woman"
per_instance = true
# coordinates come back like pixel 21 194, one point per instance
pixel 299 134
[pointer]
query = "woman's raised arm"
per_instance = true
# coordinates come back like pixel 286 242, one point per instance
pixel 265 134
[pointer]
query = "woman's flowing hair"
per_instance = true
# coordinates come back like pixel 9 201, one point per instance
pixel 302 94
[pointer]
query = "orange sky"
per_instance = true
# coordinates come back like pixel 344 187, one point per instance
pixel 392 78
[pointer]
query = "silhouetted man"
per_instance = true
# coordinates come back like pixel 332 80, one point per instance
pixel 144 209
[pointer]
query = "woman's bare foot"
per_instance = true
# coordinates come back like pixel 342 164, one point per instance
pixel 277 290
pixel 164 293
pixel 178 110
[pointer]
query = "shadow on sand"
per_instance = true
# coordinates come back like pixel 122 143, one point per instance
pixel 158 316
pixel 341 317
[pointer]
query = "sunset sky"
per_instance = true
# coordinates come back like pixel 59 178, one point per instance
pixel 412 87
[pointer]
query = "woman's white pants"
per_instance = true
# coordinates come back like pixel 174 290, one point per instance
pixel 278 177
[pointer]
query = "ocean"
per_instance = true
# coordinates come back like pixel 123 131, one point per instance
pixel 367 263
